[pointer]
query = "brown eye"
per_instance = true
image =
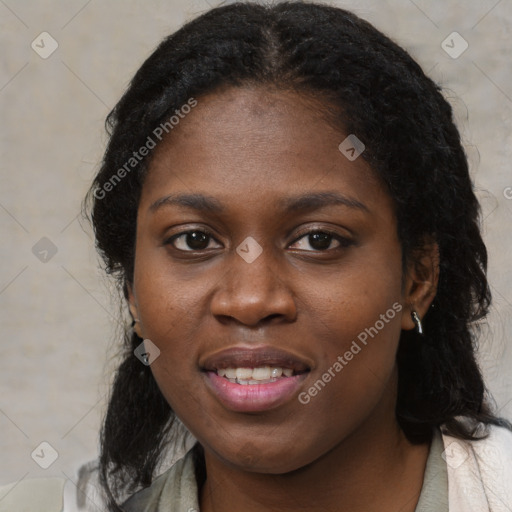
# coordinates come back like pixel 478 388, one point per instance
pixel 322 240
pixel 195 240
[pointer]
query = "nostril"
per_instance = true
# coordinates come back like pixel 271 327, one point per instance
pixel 272 316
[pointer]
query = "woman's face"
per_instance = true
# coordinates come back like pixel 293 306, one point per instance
pixel 291 266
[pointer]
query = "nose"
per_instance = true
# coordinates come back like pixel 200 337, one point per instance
pixel 253 293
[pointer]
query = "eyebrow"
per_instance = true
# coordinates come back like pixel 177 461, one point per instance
pixel 305 202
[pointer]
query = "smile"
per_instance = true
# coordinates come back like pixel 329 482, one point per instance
pixel 256 379
pixel 252 376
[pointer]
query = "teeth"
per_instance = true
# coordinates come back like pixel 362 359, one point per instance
pixel 243 373
pixel 262 373
pixel 259 375
pixel 231 373
pixel 277 372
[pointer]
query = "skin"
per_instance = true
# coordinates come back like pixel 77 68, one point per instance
pixel 248 148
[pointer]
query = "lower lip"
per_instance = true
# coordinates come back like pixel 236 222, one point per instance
pixel 253 397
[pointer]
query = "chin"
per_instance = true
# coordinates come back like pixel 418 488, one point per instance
pixel 266 459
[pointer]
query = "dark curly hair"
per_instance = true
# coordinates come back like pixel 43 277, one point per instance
pixel 377 91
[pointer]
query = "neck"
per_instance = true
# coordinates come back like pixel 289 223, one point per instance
pixel 375 469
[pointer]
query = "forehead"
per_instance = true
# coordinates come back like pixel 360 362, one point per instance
pixel 256 143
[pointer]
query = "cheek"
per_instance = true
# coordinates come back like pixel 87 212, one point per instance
pixel 169 299
pixel 357 316
pixel 362 298
pixel 171 322
pixel 171 317
pixel 172 310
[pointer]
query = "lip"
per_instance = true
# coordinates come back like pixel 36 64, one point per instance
pixel 243 357
pixel 254 397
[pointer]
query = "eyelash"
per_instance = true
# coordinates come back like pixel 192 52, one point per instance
pixel 343 242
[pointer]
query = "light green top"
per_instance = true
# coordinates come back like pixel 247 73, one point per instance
pixel 176 490
pixel 477 474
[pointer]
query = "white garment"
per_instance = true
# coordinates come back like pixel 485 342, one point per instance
pixel 480 472
pixel 479 480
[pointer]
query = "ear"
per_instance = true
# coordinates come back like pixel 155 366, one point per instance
pixel 132 304
pixel 421 281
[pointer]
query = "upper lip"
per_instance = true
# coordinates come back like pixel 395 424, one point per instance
pixel 243 357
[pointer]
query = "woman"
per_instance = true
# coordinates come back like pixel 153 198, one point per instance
pixel 287 205
pixel 300 251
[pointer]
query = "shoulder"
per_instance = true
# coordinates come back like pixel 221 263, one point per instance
pixel 34 494
pixel 498 443
pixel 480 472
pixel 147 499
pixel 492 452
pixel 176 489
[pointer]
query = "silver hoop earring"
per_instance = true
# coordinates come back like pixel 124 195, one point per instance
pixel 417 322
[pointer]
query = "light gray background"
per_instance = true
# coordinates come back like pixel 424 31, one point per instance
pixel 58 319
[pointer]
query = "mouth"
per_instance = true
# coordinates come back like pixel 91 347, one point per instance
pixel 254 380
pixel 252 376
pixel 255 366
